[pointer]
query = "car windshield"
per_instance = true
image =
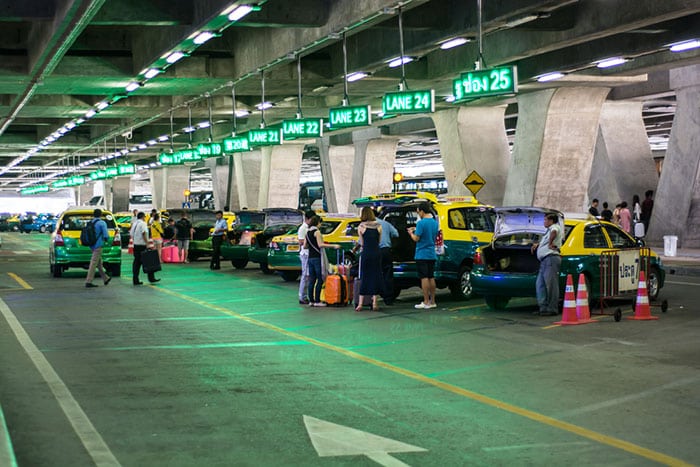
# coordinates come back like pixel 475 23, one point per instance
pixel 72 222
pixel 196 217
pixel 250 217
pixel 283 217
pixel 327 227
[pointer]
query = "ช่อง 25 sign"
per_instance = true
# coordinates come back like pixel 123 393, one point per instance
pixel 481 83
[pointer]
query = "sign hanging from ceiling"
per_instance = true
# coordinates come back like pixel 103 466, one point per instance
pixel 302 128
pixel 111 172
pixel 98 174
pixel 348 117
pixel 409 102
pixel 265 137
pixel 236 144
pixel 187 156
pixel 210 149
pixel 481 83
pixel 35 189
pixel 126 169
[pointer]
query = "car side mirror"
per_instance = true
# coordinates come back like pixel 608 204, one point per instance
pixel 640 242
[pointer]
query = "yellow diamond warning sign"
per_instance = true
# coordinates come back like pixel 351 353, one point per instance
pixel 474 182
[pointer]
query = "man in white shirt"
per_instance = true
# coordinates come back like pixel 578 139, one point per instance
pixel 140 236
pixel 304 257
pixel 550 262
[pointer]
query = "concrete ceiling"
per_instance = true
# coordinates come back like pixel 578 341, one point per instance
pixel 60 58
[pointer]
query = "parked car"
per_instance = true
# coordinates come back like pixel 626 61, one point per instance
pixel 123 221
pixel 277 221
pixel 203 221
pixel 38 223
pixel 464 224
pixel 4 221
pixel 240 237
pixel 65 250
pixel 507 268
pixel 283 252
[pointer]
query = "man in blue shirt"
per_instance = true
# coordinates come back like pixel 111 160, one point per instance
pixel 387 262
pixel 101 236
pixel 424 234
pixel 217 238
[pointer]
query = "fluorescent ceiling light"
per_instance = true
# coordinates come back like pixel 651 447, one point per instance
pixel 453 43
pixel 242 113
pixel 174 57
pixel 70 125
pixel 358 75
pixel 450 99
pixel 239 12
pixel 610 62
pixel 518 21
pixel 151 142
pixel 151 73
pixel 124 152
pixel 319 89
pixel 62 131
pixel 50 139
pixel 188 129
pixel 203 125
pixel 202 37
pixel 685 45
pixel 549 76
pixel 133 86
pixel 399 61
pixel 162 138
pixel 142 146
pixel 79 121
pixel 102 105
pixel 264 105
pixel 90 113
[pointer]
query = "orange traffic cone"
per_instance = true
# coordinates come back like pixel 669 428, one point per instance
pixel 568 314
pixel 642 310
pixel 583 313
pixel 130 248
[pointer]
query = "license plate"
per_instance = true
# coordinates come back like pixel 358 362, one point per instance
pixel 292 247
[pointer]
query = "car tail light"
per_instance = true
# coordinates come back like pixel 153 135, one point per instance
pixel 274 246
pixel 58 239
pixel 117 239
pixel 477 257
pixel 439 242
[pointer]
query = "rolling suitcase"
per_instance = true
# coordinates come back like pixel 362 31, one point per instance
pixel 171 254
pixel 150 261
pixel 639 230
pixel 336 290
pixel 356 294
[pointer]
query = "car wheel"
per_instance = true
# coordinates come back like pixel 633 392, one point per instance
pixel 653 288
pixel 115 270
pixel 265 268
pixel 42 229
pixel 56 270
pixel 496 302
pixel 239 263
pixel 463 288
pixel 290 276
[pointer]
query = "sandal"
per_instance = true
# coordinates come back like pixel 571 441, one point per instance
pixel 359 308
pixel 375 308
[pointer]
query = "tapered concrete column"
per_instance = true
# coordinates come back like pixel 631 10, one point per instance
pixel 554 144
pixel 120 192
pixel 219 170
pixel 280 172
pixel 336 169
pixel 677 201
pixel 168 184
pixel 474 138
pixel 623 158
pixel 248 179
pixel 373 168
pixel 83 193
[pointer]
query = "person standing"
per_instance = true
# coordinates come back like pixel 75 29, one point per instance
pixel 101 237
pixel 370 261
pixel 424 234
pixel 593 210
pixel 647 206
pixel 636 209
pixel 547 285
pixel 157 231
pixel 217 238
pixel 625 218
pixel 388 232
pixel 304 258
pixel 314 243
pixel 606 214
pixel 184 233
pixel 140 245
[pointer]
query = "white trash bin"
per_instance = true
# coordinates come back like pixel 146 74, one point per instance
pixel 670 243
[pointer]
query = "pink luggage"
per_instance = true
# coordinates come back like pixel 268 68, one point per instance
pixel 171 254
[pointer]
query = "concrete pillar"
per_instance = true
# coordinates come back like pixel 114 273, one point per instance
pixel 84 193
pixel 554 146
pixel 283 176
pixel 630 168
pixel 119 188
pixel 336 169
pixel 219 169
pixel 373 168
pixel 677 201
pixel 474 138
pixel 168 184
pixel 248 179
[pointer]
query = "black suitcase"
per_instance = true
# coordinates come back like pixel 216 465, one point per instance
pixel 150 261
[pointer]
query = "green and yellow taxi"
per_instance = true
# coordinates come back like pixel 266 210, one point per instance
pixel 507 267
pixel 203 221
pixel 283 252
pixel 464 224
pixel 65 250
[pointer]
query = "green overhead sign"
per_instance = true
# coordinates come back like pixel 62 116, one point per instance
pixel 76 180
pixel 348 117
pixel 59 184
pixel 236 144
pixel 111 172
pixel 98 174
pixel 126 169
pixel 187 156
pixel 302 128
pixel 210 149
pixel 481 83
pixel 265 137
pixel 35 189
pixel 409 102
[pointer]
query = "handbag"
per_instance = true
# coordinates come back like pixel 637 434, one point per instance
pixel 150 261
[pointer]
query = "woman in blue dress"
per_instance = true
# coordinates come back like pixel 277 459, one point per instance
pixel 370 260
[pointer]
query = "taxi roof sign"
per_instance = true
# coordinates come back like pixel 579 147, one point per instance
pixel 474 182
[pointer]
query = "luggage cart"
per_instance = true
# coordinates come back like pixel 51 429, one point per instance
pixel 619 276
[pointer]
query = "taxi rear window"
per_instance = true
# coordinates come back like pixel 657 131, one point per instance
pixel 78 221
pixel 471 219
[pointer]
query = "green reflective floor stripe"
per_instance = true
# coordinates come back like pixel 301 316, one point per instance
pixel 190 346
pixel 532 415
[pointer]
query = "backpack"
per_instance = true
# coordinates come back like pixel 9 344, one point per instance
pixel 88 236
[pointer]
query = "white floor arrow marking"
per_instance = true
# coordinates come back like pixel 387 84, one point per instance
pixel 331 440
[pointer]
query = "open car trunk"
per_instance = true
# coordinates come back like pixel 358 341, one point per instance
pixel 511 254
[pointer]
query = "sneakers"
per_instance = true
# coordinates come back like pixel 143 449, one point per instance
pixel 321 304
pixel 423 306
pixel 303 301
pixel 89 285
pixel 109 278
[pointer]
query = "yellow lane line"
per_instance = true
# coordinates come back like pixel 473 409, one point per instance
pixel 538 417
pixel 20 281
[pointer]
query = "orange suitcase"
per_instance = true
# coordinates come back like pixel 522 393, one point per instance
pixel 336 290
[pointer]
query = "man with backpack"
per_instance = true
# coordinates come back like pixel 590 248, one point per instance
pixel 184 233
pixel 94 235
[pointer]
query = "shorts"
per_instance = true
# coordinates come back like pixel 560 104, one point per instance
pixel 425 268
pixel 183 244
